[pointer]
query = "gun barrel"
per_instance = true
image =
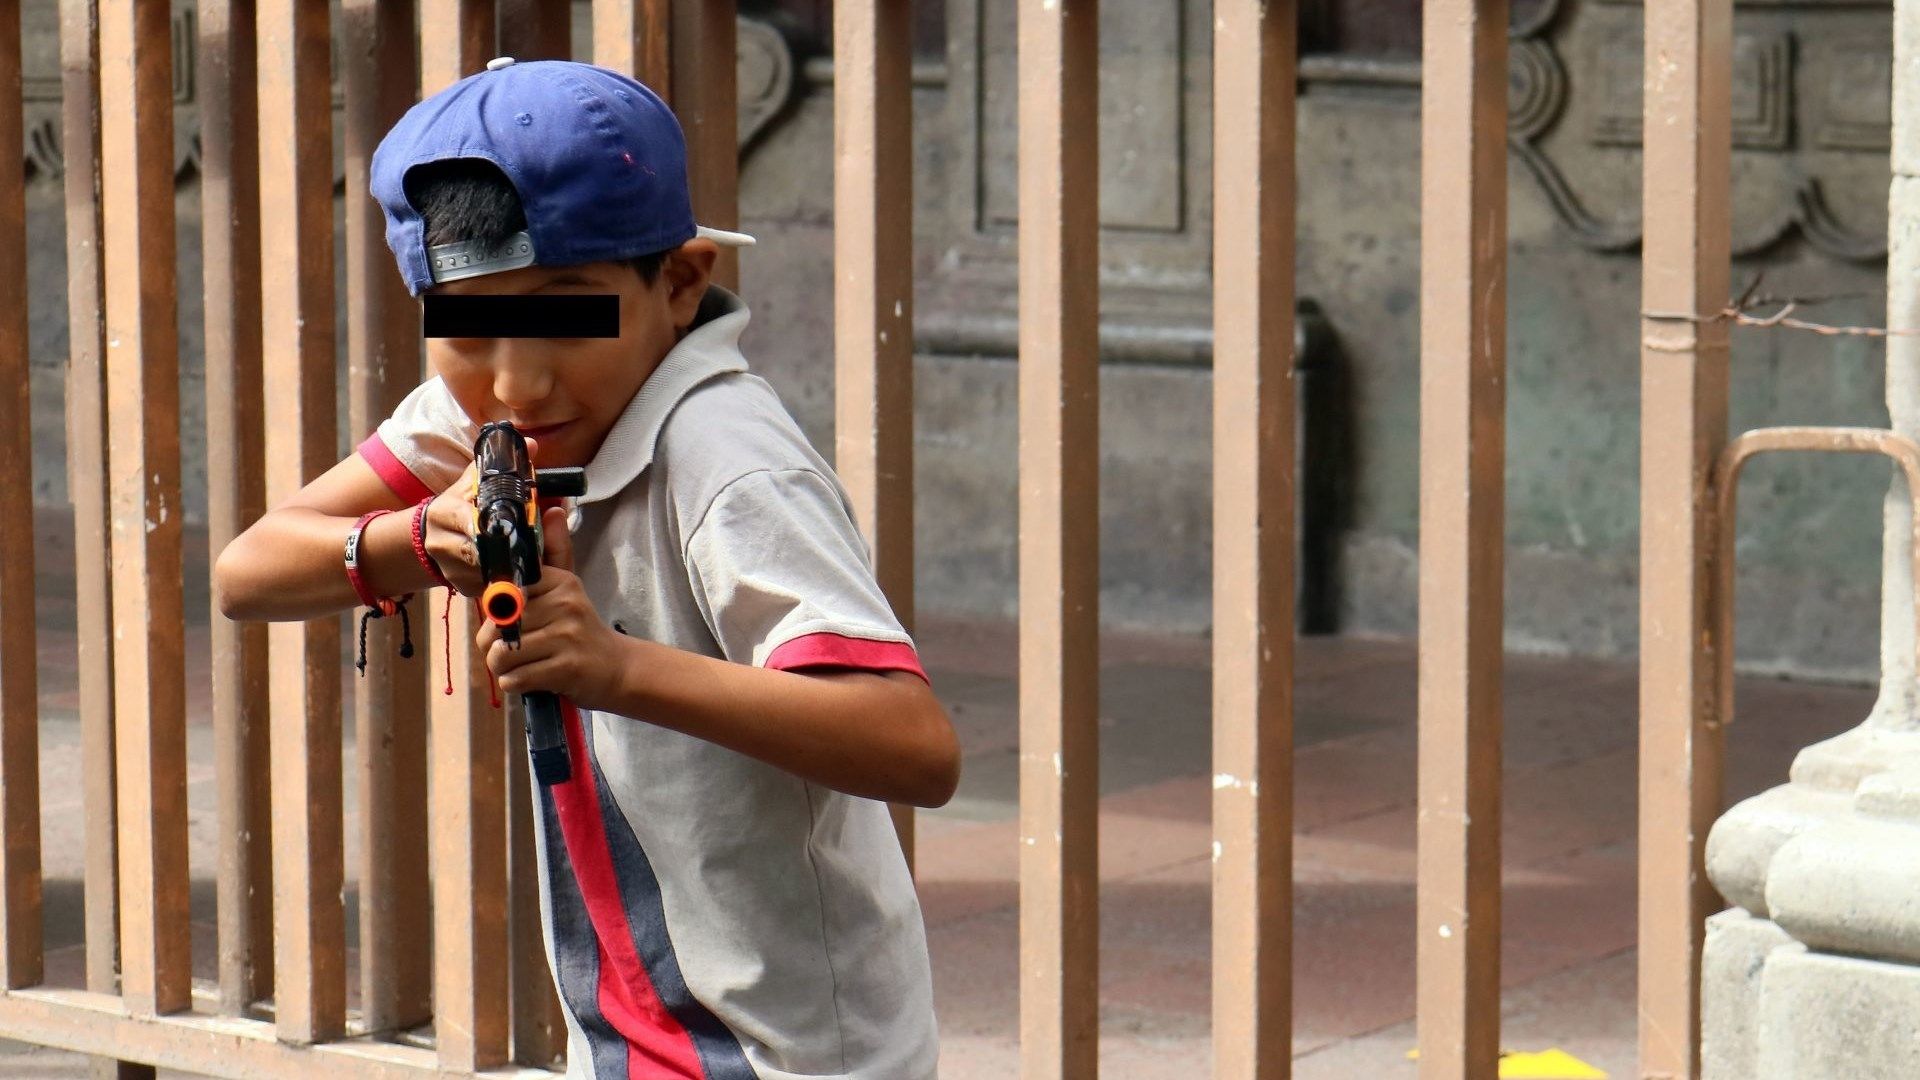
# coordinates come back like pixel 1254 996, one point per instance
pixel 503 601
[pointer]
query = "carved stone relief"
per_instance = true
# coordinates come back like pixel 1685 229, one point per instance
pixel 1811 99
pixel 1142 63
pixel 1154 132
pixel 766 78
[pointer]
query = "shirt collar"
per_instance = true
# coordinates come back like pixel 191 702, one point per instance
pixel 710 348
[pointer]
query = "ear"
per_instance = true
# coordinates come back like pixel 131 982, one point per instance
pixel 686 274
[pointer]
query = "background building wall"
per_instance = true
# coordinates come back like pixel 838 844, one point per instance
pixel 1805 79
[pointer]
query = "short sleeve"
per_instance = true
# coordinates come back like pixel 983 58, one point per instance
pixel 782 578
pixel 424 446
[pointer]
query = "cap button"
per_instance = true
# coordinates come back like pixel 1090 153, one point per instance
pixel 499 62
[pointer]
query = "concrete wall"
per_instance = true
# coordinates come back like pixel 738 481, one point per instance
pixel 1809 541
pixel 1809 538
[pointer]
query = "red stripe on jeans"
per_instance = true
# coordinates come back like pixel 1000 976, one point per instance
pixel 657 1044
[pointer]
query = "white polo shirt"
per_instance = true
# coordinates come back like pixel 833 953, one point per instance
pixel 707 914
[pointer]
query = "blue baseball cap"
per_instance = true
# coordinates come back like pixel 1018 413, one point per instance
pixel 598 160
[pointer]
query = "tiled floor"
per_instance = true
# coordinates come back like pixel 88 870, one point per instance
pixel 1569 846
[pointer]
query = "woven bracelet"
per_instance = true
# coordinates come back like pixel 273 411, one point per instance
pixel 420 546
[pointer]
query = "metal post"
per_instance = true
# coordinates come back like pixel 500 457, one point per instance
pixel 1463 241
pixel 20 924
pixel 143 456
pixel 236 487
pixel 1683 424
pixel 471 962
pixel 1059 540
pixel 873 291
pixel 705 96
pixel 87 482
pixel 1254 56
pixel 378 68
pixel 297 306
pixel 633 36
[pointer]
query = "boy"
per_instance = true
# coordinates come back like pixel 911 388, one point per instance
pixel 722 891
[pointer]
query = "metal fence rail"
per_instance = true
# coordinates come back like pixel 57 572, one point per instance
pixel 1059 540
pixel 1686 264
pixel 20 950
pixel 478 1001
pixel 873 291
pixel 1463 321
pixel 1254 59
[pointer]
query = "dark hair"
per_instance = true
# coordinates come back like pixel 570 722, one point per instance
pixel 471 199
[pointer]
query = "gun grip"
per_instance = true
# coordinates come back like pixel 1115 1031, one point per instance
pixel 547 739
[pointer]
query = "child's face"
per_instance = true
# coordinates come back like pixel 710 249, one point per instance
pixel 567 392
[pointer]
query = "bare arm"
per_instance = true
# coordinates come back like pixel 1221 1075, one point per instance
pixel 877 735
pixel 882 736
pixel 290 564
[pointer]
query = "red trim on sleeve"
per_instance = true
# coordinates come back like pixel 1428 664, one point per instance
pixel 391 470
pixel 828 650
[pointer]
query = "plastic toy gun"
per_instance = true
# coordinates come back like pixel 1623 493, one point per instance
pixel 506 532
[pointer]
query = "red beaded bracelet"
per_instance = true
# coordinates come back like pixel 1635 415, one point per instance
pixel 420 546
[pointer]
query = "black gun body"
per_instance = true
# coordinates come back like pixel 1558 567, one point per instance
pixel 507 537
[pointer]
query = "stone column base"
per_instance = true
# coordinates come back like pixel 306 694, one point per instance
pixel 1731 966
pixel 1825 1017
pixel 1816 869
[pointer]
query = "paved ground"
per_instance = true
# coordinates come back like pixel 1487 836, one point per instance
pixel 1569 847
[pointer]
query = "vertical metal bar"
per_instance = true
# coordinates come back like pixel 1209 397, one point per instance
pixel 87 476
pixel 236 487
pixel 535 29
pixel 539 1028
pixel 1059 539
pixel 633 36
pixel 469 851
pixel 705 98
pixel 456 40
pixel 1463 241
pixel 1254 58
pixel 1685 266
pixel 468 830
pixel 873 293
pixel 20 959
pixel 377 66
pixel 143 409
pixel 297 328
pixel 87 483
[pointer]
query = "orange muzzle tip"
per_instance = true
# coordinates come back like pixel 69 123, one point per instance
pixel 503 602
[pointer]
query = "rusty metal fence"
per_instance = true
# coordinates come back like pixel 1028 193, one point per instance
pixel 451 975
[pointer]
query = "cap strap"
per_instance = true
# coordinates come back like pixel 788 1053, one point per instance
pixel 470 258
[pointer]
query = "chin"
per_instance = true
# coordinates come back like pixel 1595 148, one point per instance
pixel 560 455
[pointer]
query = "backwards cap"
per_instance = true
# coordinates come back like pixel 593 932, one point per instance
pixel 598 160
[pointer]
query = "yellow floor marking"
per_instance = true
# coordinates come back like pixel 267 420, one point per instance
pixel 1552 1064
pixel 1547 1065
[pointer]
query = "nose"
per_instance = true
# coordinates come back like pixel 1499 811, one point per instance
pixel 521 379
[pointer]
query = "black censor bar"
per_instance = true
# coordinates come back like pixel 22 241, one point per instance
pixel 516 315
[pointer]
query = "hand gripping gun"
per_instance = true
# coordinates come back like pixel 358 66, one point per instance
pixel 506 532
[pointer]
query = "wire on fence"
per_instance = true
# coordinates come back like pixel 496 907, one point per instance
pixel 1738 313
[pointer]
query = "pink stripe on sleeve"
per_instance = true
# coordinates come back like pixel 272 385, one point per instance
pixel 827 650
pixel 391 470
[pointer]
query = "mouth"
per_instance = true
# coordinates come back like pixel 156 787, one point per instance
pixel 544 430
